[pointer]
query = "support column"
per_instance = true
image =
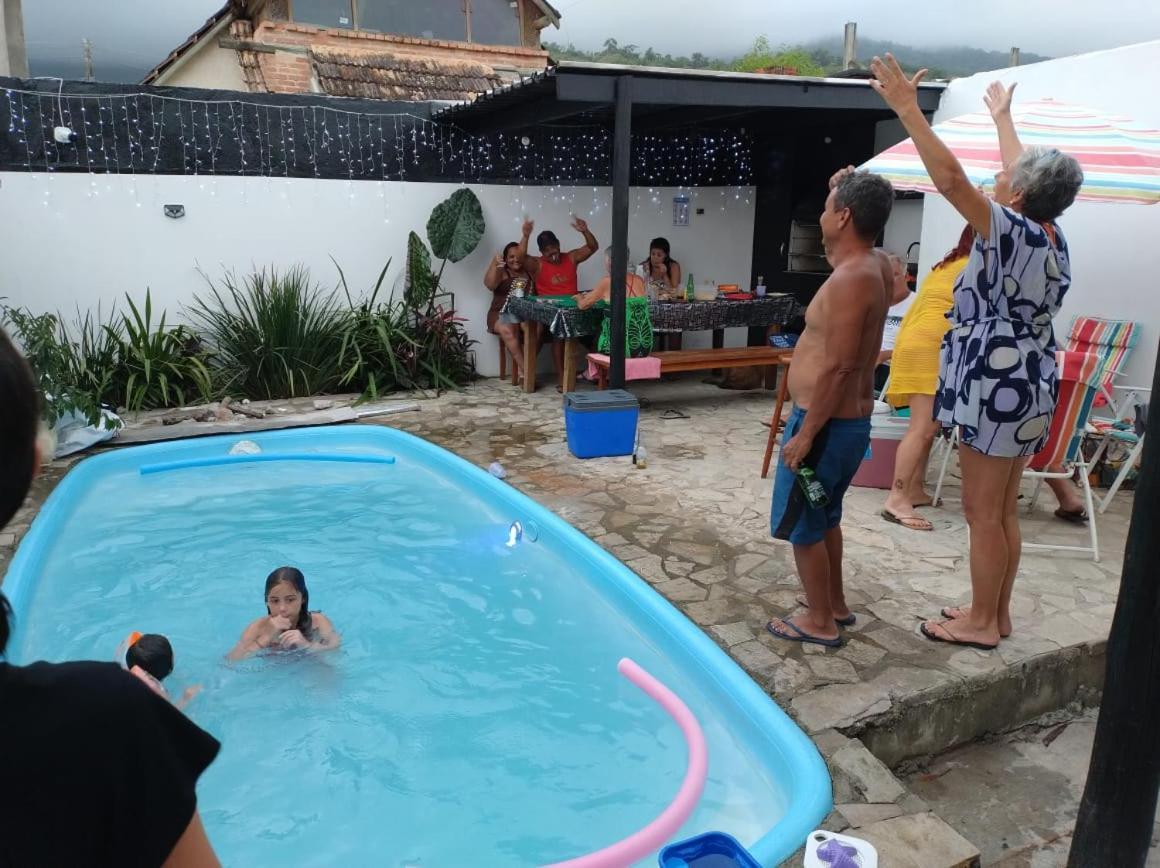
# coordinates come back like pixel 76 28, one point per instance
pixel 621 178
pixel 1118 809
pixel 13 56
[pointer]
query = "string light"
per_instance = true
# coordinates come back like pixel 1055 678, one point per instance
pixel 239 137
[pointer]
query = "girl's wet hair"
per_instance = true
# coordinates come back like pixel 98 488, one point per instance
pixel 293 577
pixel 153 653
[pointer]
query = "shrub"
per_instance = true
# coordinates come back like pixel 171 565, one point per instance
pixel 275 335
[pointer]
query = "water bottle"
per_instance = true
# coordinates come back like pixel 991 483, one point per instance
pixel 690 292
pixel 812 488
pixel 496 470
pixel 760 289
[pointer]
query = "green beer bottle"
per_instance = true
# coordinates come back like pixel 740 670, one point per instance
pixel 812 488
pixel 689 292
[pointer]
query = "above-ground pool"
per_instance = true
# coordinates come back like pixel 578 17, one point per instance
pixel 474 714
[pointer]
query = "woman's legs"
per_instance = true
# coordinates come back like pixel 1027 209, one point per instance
pixel 510 335
pixel 990 492
pixel 910 461
pixel 1013 538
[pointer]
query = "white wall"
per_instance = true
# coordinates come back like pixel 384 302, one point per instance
pixel 207 65
pixel 904 226
pixel 73 241
pixel 1115 249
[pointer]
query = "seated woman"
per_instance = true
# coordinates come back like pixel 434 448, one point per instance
pixel 914 382
pixel 634 287
pixel 660 269
pixel 638 326
pixel 289 624
pixel 504 274
pixel 663 275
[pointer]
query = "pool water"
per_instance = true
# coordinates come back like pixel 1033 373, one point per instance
pixel 472 716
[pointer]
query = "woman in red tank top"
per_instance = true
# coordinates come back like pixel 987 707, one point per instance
pixel 555 271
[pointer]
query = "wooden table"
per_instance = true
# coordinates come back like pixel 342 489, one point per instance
pixel 569 323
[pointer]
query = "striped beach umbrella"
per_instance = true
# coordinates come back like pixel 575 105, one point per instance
pixel 1120 158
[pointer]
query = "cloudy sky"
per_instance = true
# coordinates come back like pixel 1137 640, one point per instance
pixel 129 36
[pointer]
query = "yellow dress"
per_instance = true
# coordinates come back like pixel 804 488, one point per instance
pixel 914 364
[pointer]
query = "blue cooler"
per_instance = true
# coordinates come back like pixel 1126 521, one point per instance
pixel 601 424
pixel 710 850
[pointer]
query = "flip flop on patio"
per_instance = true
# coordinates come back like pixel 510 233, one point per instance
pixel 925 628
pixel 1075 516
pixel 787 630
pixel 849 621
pixel 910 522
pixel 956 613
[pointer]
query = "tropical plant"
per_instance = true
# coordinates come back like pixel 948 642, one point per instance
pixel 275 335
pixel 159 366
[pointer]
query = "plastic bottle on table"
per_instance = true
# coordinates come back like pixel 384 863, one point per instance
pixel 759 291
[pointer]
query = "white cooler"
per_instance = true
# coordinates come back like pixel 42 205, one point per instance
pixel 886 432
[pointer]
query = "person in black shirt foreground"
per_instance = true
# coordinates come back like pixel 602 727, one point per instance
pixel 96 769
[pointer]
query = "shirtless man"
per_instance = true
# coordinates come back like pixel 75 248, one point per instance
pixel 831 381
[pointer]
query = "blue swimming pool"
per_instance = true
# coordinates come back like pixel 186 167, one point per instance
pixel 474 714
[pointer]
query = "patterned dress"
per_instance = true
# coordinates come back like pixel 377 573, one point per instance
pixel 997 377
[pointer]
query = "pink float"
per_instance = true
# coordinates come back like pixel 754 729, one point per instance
pixel 640 844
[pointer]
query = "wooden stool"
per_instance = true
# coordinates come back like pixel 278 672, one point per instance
pixel 504 352
pixel 775 422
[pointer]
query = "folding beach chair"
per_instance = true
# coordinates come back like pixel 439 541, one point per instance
pixel 1080 381
pixel 1112 341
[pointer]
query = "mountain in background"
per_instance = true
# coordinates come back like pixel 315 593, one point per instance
pixel 947 62
pixel 821 57
pixel 74 70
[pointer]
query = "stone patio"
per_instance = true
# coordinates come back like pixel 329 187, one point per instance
pixel 695 524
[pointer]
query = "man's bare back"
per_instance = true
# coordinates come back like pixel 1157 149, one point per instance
pixel 844 333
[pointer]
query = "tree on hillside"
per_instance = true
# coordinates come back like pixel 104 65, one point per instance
pixel 762 56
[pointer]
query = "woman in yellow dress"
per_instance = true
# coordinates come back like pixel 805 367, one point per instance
pixel 914 381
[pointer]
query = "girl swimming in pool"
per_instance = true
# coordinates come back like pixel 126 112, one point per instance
pixel 289 624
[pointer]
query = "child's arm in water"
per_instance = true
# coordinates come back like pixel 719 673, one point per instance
pixel 257 636
pixel 187 697
pixel 325 636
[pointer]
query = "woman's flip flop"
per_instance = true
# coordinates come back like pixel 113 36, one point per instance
pixel 796 634
pixel 962 643
pixel 901 520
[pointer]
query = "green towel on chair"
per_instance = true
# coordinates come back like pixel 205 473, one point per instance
pixel 638 331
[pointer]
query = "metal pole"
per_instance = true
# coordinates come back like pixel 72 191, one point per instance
pixel 621 177
pixel 1118 809
pixel 850 45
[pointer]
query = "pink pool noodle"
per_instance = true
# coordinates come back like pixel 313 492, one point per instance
pixel 655 834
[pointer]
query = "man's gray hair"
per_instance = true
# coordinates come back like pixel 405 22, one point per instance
pixel 1049 180
pixel 869 198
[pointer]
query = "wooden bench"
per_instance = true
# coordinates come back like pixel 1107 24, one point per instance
pixel 675 361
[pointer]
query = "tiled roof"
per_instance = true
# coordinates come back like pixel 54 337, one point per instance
pixel 381 75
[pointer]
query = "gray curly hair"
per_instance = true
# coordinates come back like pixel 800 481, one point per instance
pixel 1049 180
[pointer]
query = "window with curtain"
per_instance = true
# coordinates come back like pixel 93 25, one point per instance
pixel 429 19
pixel 323 13
pixel 495 22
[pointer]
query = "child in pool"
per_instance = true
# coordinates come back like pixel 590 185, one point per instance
pixel 149 657
pixel 289 624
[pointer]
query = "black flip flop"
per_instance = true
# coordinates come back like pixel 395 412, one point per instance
pixel 673 414
pixel 799 635
pixel 1075 517
pixel 901 521
pixel 962 643
pixel 849 621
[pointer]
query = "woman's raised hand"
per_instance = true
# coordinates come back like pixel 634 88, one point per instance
pixel 998 99
pixel 894 86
